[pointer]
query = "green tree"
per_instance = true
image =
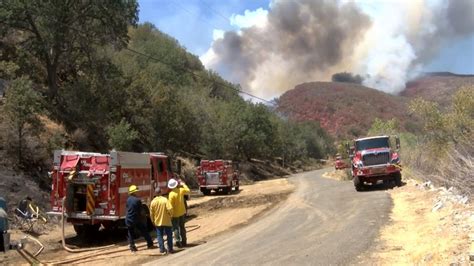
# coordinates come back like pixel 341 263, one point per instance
pixel 58 34
pixel 381 127
pixel 433 120
pixel 122 136
pixel 21 109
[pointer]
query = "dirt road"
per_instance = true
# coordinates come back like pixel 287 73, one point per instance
pixel 323 222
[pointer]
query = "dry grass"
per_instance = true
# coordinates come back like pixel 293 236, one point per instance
pixel 416 235
pixel 453 169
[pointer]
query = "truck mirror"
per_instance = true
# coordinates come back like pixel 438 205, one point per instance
pixel 397 141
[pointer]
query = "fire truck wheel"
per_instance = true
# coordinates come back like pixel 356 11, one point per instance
pixel 111 226
pixel 236 188
pixel 359 186
pixel 206 191
pixel 79 229
pixel 398 179
pixel 87 230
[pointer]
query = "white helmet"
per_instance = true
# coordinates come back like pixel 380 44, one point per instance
pixel 172 183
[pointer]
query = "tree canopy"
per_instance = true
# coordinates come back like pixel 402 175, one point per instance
pixel 114 84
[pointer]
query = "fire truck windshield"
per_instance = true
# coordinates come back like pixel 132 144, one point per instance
pixel 372 144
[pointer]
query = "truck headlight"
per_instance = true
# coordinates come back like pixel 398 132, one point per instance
pixel 359 164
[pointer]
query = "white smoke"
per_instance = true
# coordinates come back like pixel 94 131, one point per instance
pixel 307 40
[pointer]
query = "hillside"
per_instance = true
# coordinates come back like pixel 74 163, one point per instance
pixel 343 109
pixel 437 87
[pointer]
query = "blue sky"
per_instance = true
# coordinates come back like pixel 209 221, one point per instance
pixel 192 23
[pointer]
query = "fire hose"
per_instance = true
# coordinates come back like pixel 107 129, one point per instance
pixel 63 238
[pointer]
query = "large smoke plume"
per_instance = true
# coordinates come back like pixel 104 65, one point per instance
pixel 310 40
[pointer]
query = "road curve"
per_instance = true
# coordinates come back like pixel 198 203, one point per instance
pixel 323 222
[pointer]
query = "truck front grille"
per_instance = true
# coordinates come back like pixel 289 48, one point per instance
pixel 376 158
pixel 212 178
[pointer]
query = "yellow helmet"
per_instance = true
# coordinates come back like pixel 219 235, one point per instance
pixel 132 189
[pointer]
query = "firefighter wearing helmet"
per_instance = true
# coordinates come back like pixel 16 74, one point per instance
pixel 176 197
pixel 133 221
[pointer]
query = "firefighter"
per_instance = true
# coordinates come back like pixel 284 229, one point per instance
pixel 176 198
pixel 160 213
pixel 133 221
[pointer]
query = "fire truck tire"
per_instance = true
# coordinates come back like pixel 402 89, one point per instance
pixel 79 229
pixel 397 177
pixel 359 186
pixel 236 188
pixel 226 190
pixel 87 230
pixel 206 191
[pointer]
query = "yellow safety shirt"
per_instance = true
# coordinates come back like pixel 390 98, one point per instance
pixel 160 211
pixel 176 197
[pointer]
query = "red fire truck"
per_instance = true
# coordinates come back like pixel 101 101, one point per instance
pixel 217 175
pixel 95 186
pixel 375 160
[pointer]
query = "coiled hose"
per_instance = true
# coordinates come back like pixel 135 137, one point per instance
pixel 63 239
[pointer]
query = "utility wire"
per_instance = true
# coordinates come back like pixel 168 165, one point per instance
pixel 196 75
pixel 173 66
pixel 271 103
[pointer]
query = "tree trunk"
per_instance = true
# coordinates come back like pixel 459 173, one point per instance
pixel 52 81
pixel 20 144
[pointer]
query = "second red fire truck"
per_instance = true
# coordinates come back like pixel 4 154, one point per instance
pixel 217 175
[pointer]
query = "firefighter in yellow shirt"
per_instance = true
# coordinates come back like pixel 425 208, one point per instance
pixel 176 198
pixel 160 213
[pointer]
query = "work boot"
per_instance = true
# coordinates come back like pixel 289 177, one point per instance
pixel 164 252
pixel 151 247
pixel 133 249
pixel 179 244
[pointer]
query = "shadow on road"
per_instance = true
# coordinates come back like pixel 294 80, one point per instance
pixel 379 187
pixel 101 238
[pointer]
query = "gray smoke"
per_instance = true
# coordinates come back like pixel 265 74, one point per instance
pixel 309 40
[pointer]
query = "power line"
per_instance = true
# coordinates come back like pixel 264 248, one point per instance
pixel 170 65
pixel 271 103
pixel 196 75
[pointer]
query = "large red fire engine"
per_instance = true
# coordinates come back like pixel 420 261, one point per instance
pixel 374 160
pixel 95 186
pixel 217 175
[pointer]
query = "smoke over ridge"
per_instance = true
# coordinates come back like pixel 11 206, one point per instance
pixel 310 40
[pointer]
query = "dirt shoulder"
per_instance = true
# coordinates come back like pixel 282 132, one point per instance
pixel 208 217
pixel 427 225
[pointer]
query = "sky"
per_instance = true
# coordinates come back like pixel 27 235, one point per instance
pixel 192 22
pixel 411 37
